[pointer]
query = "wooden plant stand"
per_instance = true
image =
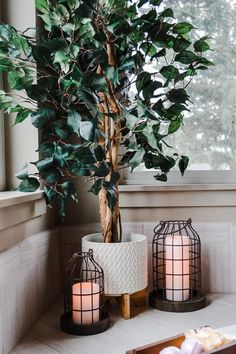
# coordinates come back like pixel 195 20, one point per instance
pixel 125 301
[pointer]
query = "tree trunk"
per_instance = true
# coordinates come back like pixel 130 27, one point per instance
pixel 110 220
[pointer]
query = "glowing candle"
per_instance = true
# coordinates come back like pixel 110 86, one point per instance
pixel 177 267
pixel 85 303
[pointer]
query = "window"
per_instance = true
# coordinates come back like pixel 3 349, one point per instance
pixel 2 152
pixel 208 136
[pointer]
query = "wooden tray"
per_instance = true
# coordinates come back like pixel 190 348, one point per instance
pixel 155 348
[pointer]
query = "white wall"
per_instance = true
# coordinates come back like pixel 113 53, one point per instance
pixel 29 281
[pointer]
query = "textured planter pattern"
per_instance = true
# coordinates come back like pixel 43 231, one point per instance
pixel 124 264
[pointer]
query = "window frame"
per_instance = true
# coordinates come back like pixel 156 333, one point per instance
pixel 2 148
pixel 2 138
pixel 202 177
pixel 191 177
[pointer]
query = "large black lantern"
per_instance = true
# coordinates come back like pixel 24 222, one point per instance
pixel 84 296
pixel 176 267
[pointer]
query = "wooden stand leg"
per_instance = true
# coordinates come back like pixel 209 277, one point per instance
pixel 139 298
pixel 124 302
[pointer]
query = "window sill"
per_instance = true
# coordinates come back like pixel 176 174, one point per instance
pixel 14 198
pixel 18 207
pixel 188 195
pixel 176 187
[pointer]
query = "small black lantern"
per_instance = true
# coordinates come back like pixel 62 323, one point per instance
pixel 176 268
pixel 84 296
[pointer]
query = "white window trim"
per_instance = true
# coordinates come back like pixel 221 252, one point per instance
pixel 2 138
pixel 2 149
pixel 18 207
pixel 203 177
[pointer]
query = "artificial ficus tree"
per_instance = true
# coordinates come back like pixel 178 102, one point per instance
pixel 90 93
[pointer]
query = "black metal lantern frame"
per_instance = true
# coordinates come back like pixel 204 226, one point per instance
pixel 176 251
pixel 84 312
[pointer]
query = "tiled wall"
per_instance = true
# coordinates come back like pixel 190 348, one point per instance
pixel 29 281
pixel 218 250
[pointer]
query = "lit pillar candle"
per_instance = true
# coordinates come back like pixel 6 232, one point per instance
pixel 177 267
pixel 85 303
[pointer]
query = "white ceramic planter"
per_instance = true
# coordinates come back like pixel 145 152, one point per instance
pixel 125 264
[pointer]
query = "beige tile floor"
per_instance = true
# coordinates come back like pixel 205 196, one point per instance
pixel 148 325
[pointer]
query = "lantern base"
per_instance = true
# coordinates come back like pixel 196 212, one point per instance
pixel 157 300
pixel 68 326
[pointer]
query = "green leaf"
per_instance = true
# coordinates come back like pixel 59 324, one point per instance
pixel 62 59
pixel 37 92
pixel 174 110
pixel 47 148
pixel 6 65
pixel 178 96
pixel 161 177
pixel 159 54
pixel 62 129
pixel 169 72
pixel 80 169
pixel 28 185
pixel 73 4
pixel 74 120
pixel 51 174
pixel 149 49
pixel 155 2
pixel 86 31
pixel 69 190
pixel 175 124
pixel 42 117
pixel 149 90
pixel 85 155
pixel 49 194
pixel 137 159
pixel 18 81
pixel 142 80
pixel 205 61
pixel 102 170
pixel 183 28
pixel 201 45
pixel 96 82
pixel 186 57
pixel 100 153
pixel 97 186
pixel 23 114
pixel 6 33
pixel 21 44
pixel 111 194
pixel 87 130
pixel 115 177
pixel 167 13
pixel 183 164
pixel 23 174
pixel 131 120
pixel 142 2
pixel 44 163
pixel 127 65
pixel 181 44
pixel 5 101
pixel 42 5
pixel 111 73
